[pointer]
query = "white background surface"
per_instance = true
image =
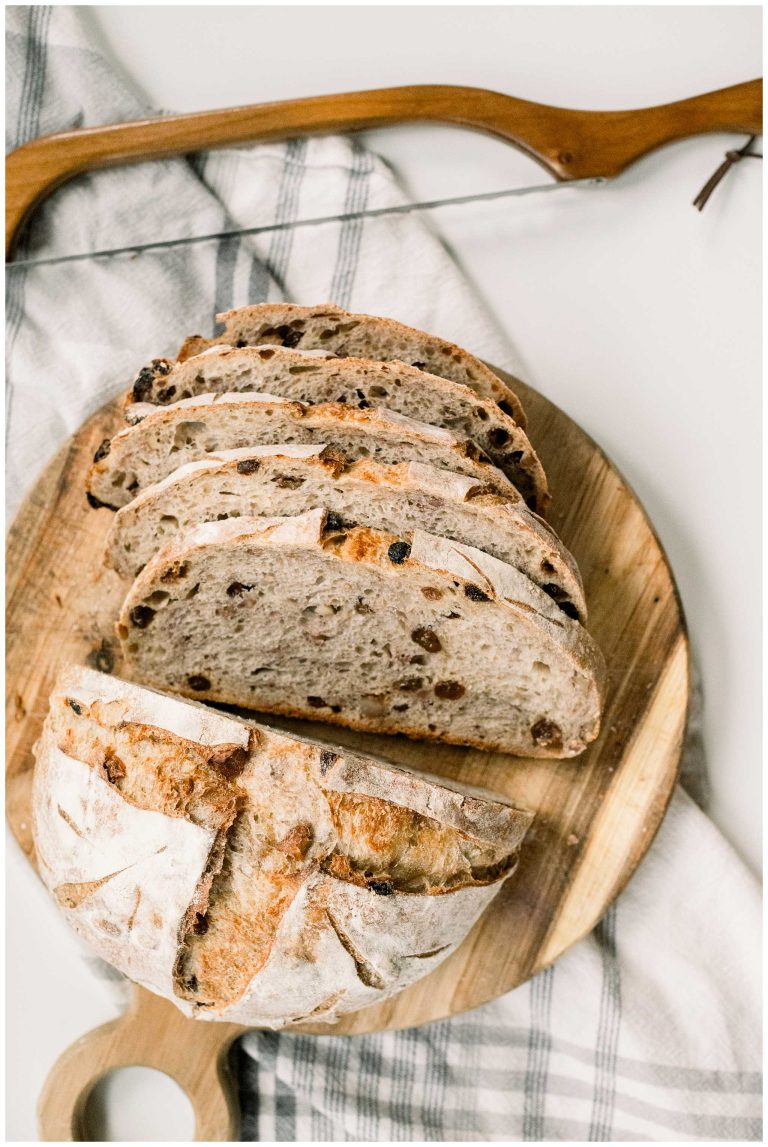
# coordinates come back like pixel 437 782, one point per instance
pixel 630 310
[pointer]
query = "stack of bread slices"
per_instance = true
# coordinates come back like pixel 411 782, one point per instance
pixel 334 516
pixel 329 516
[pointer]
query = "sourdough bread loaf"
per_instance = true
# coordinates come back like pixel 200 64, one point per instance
pixel 338 332
pixel 248 875
pixel 409 634
pixel 289 480
pixel 304 377
pixel 164 438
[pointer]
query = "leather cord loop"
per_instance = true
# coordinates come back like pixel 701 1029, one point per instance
pixel 731 157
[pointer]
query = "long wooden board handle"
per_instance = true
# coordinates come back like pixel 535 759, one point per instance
pixel 569 144
pixel 151 1033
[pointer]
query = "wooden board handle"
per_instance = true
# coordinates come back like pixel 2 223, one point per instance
pixel 569 144
pixel 151 1033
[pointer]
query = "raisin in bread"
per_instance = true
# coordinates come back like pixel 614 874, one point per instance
pixel 331 329
pixel 405 634
pixel 289 480
pixel 247 874
pixel 163 438
pixel 362 383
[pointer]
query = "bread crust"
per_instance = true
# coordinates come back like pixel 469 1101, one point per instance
pixel 123 876
pixel 260 324
pixel 313 378
pixel 190 429
pixel 135 881
pixel 520 600
pixel 323 478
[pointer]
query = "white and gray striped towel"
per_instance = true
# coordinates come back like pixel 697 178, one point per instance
pixel 648 1029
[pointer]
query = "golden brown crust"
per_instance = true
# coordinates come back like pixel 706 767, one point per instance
pixel 312 902
pixel 151 768
pixel 371 725
pixel 264 314
pixel 358 382
pixel 369 492
pixel 310 423
pixel 416 553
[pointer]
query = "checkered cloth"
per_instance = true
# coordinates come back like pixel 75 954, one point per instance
pixel 648 1029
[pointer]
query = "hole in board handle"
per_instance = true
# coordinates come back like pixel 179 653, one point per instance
pixel 138 1104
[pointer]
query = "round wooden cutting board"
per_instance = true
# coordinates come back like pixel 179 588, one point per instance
pixel 595 815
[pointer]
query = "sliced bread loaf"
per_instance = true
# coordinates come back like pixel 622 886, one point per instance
pixel 247 874
pixel 289 480
pixel 409 634
pixel 358 382
pixel 329 328
pixel 166 437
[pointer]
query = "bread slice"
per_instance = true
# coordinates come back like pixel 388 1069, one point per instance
pixel 409 634
pixel 166 437
pixel 329 328
pixel 305 377
pixel 289 480
pixel 247 874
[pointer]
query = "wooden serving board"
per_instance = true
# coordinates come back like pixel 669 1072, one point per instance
pixel 595 815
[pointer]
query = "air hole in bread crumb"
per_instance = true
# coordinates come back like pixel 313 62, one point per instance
pixel 238 588
pixel 159 598
pixel 186 435
pixel 141 616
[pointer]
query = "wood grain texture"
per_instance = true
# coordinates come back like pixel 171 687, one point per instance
pixel 568 144
pixel 595 815
pixel 151 1033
